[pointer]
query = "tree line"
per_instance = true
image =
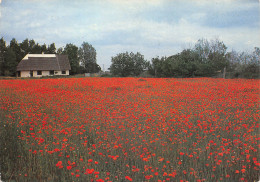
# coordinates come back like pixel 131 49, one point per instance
pixel 204 59
pixel 82 59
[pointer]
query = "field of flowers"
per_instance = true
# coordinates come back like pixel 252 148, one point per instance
pixel 129 129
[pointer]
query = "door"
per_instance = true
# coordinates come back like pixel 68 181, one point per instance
pixel 31 73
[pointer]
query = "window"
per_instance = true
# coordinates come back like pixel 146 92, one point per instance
pixel 39 72
pixel 63 72
pixel 52 72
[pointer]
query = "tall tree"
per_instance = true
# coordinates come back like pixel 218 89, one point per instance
pixel 60 50
pixel 31 45
pixel 72 52
pixel 51 49
pixel 2 55
pixel 87 56
pixel 156 67
pixel 16 49
pixel 44 48
pixel 212 56
pixel 24 46
pixel 125 64
pixel 10 62
pixel 122 65
pixel 34 48
pixel 140 64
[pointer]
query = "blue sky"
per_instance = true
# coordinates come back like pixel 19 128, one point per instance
pixel 151 27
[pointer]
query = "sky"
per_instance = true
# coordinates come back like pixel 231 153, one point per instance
pixel 151 27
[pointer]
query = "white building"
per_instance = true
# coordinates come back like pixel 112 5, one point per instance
pixel 38 65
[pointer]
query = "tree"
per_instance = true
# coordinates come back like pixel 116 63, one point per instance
pixel 139 63
pixel 16 49
pixel 10 62
pixel 156 67
pixel 212 57
pixel 125 64
pixel 34 48
pixel 60 50
pixel 250 66
pixel 24 46
pixel 202 48
pixel 2 55
pixel 205 59
pixel 72 52
pixel 122 65
pixel 51 49
pixel 44 48
pixel 186 63
pixel 87 56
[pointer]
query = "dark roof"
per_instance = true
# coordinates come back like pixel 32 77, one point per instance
pixel 59 62
pixel 63 62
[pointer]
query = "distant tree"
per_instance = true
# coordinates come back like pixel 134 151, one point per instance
pixel 140 64
pixel 205 59
pixel 24 47
pixel 156 67
pixel 250 66
pixel 211 57
pixel 202 48
pixel 44 49
pixel 122 65
pixel 72 52
pixel 10 62
pixel 16 49
pixel 186 63
pixel 233 61
pixel 51 49
pixel 87 56
pixel 37 49
pixel 244 64
pixel 34 48
pixel 256 55
pixel 125 64
pixel 31 46
pixel 59 50
pixel 2 55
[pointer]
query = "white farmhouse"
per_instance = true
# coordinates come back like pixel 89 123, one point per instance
pixel 38 65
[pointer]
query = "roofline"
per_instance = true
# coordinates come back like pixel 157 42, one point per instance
pixel 39 55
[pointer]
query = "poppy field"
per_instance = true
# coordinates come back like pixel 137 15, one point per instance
pixel 129 129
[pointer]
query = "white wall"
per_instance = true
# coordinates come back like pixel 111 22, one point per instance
pixel 25 73
pixel 44 73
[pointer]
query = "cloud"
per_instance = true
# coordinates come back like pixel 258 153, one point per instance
pixel 154 27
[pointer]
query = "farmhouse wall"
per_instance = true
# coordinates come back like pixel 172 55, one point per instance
pixel 25 73
pixel 44 73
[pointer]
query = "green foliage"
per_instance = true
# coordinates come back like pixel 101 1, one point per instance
pixel 125 64
pixel 24 47
pixel 87 56
pixel 205 59
pixel 244 65
pixel 51 49
pixel 72 52
pixel 2 55
pixel 34 48
pixel 10 62
pixel 155 68
pixel 44 48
